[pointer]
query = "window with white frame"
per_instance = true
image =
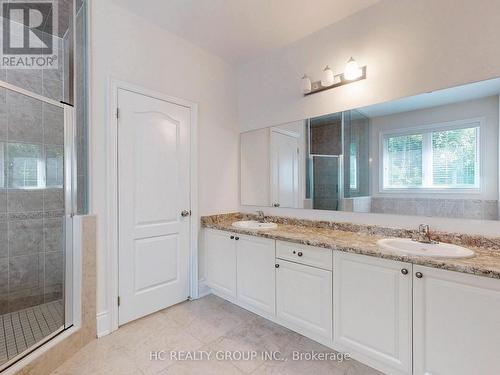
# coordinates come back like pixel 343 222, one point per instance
pixel 353 166
pixel 437 157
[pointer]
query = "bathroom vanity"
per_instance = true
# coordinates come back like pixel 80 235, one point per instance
pixel 400 306
pixel 331 282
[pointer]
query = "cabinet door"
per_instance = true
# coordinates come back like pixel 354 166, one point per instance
pixel 456 323
pixel 221 262
pixel 256 275
pixel 372 311
pixel 304 299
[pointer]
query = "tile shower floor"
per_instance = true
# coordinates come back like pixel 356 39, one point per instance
pixel 209 324
pixel 20 330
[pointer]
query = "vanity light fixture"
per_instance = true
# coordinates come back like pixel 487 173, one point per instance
pixel 352 70
pixel 352 73
pixel 328 77
pixel 306 85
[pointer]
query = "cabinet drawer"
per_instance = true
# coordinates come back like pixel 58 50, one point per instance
pixel 309 255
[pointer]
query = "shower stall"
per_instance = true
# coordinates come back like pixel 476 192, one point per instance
pixel 337 160
pixel 42 185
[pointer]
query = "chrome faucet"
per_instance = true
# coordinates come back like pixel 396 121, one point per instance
pixel 424 234
pixel 261 218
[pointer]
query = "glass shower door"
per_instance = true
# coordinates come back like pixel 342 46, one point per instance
pixel 35 223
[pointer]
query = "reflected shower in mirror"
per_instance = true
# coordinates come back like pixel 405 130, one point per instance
pixel 434 154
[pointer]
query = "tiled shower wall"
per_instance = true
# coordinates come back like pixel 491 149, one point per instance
pixel 435 207
pixel 31 220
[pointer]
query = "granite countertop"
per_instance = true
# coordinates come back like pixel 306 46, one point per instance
pixel 359 239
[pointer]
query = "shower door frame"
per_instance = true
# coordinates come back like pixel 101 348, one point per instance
pixel 340 164
pixel 71 283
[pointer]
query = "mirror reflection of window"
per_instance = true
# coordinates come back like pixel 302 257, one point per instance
pixel 25 165
pixel 455 158
pixel 54 165
pixel 353 166
pixel 442 159
pixel 403 159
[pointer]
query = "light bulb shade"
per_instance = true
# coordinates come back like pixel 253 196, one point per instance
pixel 352 70
pixel 327 79
pixel 306 85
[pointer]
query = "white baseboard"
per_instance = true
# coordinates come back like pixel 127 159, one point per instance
pixel 203 289
pixel 103 324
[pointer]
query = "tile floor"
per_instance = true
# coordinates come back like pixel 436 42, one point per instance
pixel 208 324
pixel 20 330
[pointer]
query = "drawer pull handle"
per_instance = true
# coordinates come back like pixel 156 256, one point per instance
pixel 404 271
pixel 276 266
pixel 419 275
pixel 300 253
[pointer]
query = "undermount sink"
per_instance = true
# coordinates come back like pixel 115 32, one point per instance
pixel 407 246
pixel 255 225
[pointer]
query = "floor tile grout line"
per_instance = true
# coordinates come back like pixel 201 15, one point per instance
pixel 38 322
pixel 13 333
pixel 35 321
pixel 20 335
pixel 5 337
pixel 29 326
pixel 44 317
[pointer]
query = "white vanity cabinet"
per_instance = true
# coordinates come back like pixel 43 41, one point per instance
pixel 304 289
pixel 221 262
pixel 255 273
pixel 456 323
pixel 372 311
pixel 304 299
pixel 396 317
pixel 241 268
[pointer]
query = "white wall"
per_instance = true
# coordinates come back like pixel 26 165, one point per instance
pixel 410 47
pixel 128 48
pixel 486 108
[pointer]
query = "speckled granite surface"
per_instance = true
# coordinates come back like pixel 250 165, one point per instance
pixel 362 239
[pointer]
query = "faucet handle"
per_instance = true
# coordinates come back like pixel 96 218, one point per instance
pixel 423 228
pixel 261 215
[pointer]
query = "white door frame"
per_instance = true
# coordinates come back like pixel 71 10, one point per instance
pixel 112 282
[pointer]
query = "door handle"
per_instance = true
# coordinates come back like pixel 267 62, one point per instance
pixel 186 213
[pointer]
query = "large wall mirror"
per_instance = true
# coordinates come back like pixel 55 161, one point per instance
pixel 434 154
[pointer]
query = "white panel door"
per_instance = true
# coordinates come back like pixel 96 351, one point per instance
pixel 284 170
pixel 372 301
pixel 456 323
pixel 153 189
pixel 304 299
pixel 256 275
pixel 221 262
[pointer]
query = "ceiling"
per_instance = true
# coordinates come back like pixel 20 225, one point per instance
pixel 450 95
pixel 241 30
